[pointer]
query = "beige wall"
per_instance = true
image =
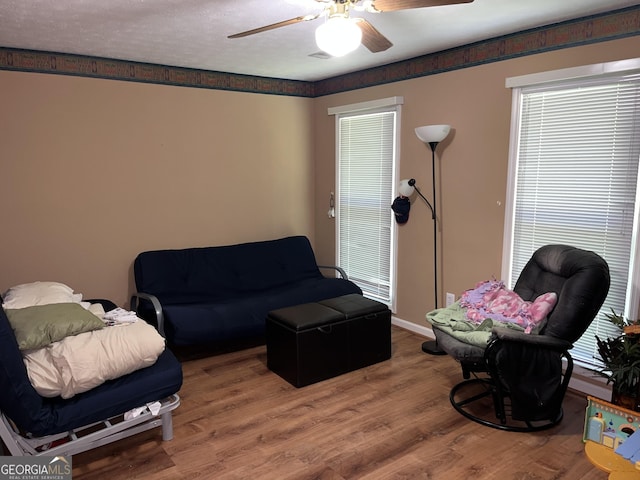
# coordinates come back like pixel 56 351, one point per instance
pixel 95 171
pixel 472 169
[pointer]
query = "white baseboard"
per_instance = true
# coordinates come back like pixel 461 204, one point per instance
pixel 582 379
pixel 413 327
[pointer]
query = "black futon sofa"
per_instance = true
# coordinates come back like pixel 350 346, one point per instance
pixel 197 296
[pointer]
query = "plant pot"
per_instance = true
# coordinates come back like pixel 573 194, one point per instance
pixel 626 400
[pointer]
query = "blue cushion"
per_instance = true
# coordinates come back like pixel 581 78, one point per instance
pixel 113 397
pixel 187 324
pixel 19 400
pixel 44 416
pixel 215 294
pixel 225 271
pixel 201 323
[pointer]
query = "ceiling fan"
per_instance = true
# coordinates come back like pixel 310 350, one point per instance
pixel 341 34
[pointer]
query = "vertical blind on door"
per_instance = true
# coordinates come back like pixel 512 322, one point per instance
pixel 366 152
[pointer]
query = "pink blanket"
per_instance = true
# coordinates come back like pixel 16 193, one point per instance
pixel 490 299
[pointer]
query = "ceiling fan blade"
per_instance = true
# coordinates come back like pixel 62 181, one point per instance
pixel 284 23
pixel 372 38
pixel 391 5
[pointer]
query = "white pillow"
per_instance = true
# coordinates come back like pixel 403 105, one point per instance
pixel 39 293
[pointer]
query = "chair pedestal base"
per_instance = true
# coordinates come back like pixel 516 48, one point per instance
pixel 431 347
pixel 478 400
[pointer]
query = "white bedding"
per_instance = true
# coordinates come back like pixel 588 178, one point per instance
pixel 81 362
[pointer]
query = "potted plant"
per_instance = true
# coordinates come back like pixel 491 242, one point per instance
pixel 621 358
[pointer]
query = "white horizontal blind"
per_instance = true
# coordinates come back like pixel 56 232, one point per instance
pixel 576 180
pixel 366 151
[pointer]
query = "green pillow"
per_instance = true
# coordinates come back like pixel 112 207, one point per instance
pixel 38 326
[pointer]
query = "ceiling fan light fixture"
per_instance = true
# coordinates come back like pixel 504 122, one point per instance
pixel 338 36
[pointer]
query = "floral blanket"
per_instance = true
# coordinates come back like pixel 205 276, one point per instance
pixel 490 305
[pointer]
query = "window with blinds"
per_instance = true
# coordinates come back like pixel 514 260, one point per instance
pixel 366 166
pixel 574 174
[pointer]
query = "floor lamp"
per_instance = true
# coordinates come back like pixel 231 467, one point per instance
pixel 432 135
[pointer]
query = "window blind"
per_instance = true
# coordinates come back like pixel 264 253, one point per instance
pixel 366 154
pixel 576 179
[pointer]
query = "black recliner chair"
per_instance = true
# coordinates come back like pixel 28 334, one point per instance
pixel 520 379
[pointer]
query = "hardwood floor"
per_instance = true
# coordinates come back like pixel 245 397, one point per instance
pixel 392 420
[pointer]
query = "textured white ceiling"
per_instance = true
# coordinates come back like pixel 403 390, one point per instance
pixel 193 33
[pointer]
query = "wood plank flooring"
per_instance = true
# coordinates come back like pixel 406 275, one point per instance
pixel 392 420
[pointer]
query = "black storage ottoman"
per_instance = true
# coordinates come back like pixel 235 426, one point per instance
pixel 315 341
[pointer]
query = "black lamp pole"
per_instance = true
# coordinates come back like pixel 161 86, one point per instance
pixel 431 346
pixel 432 135
pixel 433 146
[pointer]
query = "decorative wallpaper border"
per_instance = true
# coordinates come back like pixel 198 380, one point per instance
pixel 69 64
pixel 597 28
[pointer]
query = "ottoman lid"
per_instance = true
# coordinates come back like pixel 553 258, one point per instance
pixel 305 316
pixel 354 305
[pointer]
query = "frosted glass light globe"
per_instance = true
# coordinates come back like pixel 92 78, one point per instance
pixel 405 189
pixel 338 36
